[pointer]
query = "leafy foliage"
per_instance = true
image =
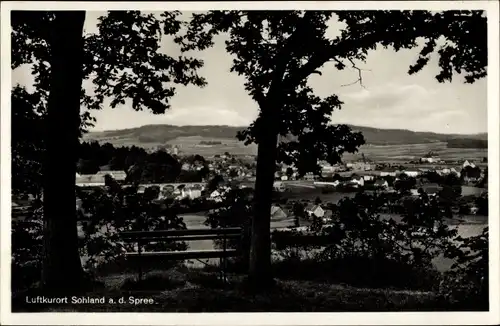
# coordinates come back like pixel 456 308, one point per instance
pixel 114 210
pixel 235 210
pixel 277 51
pixel 360 246
pixel 27 145
pixel 467 281
pixel 122 60
pixel 27 249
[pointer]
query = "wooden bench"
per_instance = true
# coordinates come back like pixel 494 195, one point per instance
pixel 144 237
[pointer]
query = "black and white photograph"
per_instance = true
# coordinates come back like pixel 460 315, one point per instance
pixel 230 157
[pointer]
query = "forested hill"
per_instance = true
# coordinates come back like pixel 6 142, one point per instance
pixel 373 136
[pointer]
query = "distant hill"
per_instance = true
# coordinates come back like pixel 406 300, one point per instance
pixel 150 135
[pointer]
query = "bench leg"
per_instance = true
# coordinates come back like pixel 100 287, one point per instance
pixel 139 245
pixel 224 260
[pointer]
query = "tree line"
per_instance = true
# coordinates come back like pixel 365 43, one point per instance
pixel 467 143
pixel 139 165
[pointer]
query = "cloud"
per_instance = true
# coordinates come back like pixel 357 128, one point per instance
pixel 125 116
pixel 391 98
pixel 206 116
pixel 388 96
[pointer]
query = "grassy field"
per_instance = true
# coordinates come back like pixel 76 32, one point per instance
pixel 381 153
pixel 190 144
pixel 404 153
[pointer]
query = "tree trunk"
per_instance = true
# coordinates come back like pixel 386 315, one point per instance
pixel 260 275
pixel 62 268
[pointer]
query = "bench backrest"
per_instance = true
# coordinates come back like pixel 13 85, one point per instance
pixel 181 235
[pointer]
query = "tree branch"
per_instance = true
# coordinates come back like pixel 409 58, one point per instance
pixel 360 75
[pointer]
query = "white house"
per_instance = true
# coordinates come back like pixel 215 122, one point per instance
pixel 277 213
pixel 368 177
pixel 190 193
pixel 279 186
pixel 382 184
pixel 186 167
pixel 467 163
pixel 413 174
pixel 473 210
pixel 445 171
pixel 284 178
pixel 115 174
pixel 309 176
pixel 357 181
pixel 315 210
pixel 216 196
pixel 414 192
pixel 433 159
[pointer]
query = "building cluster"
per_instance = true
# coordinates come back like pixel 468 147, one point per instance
pixel 232 168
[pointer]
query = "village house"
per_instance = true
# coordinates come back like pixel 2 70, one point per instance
pixel 186 167
pixel 357 181
pixel 90 180
pixel 360 166
pixel 315 211
pixel 444 171
pixel 279 186
pixel 309 176
pixel 413 174
pixel 277 213
pixel 467 163
pixel 191 193
pixel 215 196
pixel 115 174
pixel 327 217
pixel 328 168
pixel 470 179
pixel 368 177
pixel 432 189
pixel 430 159
pixel 380 183
pixel 473 209
pixel 414 192
pixel 389 171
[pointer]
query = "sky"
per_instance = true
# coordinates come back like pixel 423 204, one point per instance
pixel 389 97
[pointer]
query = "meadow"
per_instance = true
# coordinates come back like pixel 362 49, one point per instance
pixel 404 153
pixel 190 145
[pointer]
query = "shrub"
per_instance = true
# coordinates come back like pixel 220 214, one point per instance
pixel 27 251
pixel 235 210
pixel 113 211
pixel 359 247
pixel 466 285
